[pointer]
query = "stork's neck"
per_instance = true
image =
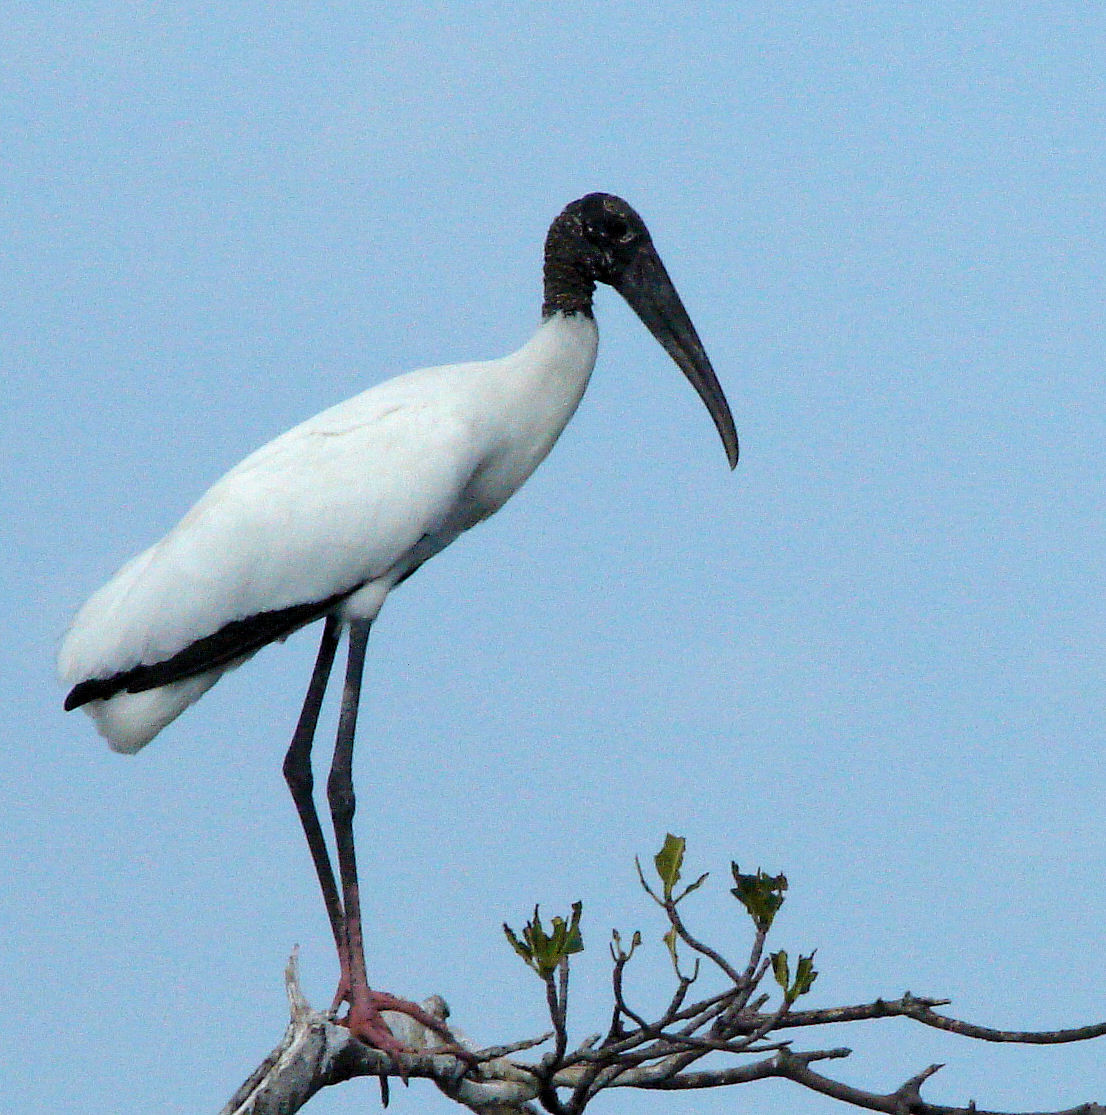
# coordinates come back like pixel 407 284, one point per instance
pixel 524 402
pixel 568 286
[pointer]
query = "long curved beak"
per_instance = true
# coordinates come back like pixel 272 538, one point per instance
pixel 651 294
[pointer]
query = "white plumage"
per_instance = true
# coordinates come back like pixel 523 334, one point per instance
pixel 358 495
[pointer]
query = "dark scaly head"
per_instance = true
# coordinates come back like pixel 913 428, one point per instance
pixel 601 239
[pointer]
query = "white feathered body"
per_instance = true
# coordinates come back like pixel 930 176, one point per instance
pixel 359 495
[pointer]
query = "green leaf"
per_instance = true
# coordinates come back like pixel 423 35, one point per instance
pixel 669 860
pixel 574 941
pixel 761 895
pixel 544 951
pixel 805 975
pixel 670 940
pixel 523 950
pixel 535 934
pixel 781 970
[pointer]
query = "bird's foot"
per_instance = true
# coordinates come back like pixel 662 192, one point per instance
pixel 365 1023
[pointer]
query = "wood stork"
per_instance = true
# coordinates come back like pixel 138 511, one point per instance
pixel 324 521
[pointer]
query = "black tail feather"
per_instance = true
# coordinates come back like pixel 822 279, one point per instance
pixel 236 640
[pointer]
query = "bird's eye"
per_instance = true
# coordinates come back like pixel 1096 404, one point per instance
pixel 606 230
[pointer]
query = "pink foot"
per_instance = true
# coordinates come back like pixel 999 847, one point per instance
pixel 366 1024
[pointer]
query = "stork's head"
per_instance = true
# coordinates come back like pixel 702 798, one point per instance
pixel 601 239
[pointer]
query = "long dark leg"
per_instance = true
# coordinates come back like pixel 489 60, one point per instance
pixel 343 803
pixel 301 781
pixel 364 1004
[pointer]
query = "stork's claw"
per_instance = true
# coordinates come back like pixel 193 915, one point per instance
pixel 366 1023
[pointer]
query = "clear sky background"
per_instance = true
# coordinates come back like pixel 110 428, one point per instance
pixel 871 657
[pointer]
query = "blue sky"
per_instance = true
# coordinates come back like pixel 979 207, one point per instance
pixel 871 657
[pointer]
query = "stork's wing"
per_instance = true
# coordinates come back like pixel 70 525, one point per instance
pixel 347 499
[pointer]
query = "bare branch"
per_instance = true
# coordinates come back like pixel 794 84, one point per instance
pixel 881 1008
pixel 921 1010
pixel 696 945
pixel 316 1052
pixel 745 1074
pixel 906 1098
pixel 921 1013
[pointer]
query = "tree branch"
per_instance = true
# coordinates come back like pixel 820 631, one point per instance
pixel 636 1052
pixel 316 1052
pixel 921 1010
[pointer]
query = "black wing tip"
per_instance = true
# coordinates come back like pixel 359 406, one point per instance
pixel 96 689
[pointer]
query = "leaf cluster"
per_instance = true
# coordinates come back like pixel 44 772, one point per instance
pixel 546 951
